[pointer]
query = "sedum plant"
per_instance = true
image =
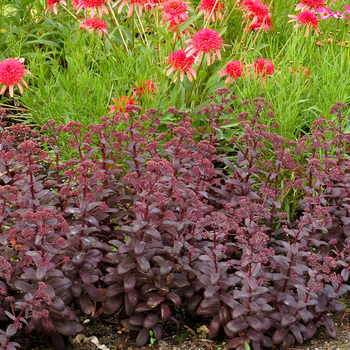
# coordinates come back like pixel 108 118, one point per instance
pixel 147 220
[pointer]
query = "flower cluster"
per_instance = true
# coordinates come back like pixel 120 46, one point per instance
pixel 257 14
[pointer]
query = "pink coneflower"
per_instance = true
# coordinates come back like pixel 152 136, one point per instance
pixel 310 5
pixel 263 67
pixel 234 70
pixel 132 3
pixel 120 103
pixel 180 62
pixel 100 5
pixel 175 10
pixel 52 4
pixel 347 9
pixel 210 8
pixel 258 12
pixel 305 18
pixel 12 72
pixel 205 41
pixel 325 13
pixel 339 15
pixel 92 24
pixel 147 88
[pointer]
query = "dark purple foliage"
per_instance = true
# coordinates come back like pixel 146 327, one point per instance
pixel 150 221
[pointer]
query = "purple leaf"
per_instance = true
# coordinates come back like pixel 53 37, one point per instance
pixel 11 330
pixel 132 298
pixel 85 303
pixel 142 337
pixel 143 263
pixel 224 315
pixel 287 320
pixel 210 291
pixel 124 268
pixel 254 335
pixel 150 321
pixel 215 325
pixel 236 326
pixel 279 335
pixel 136 320
pixel 228 300
pixel 296 332
pixel 164 312
pixel 239 311
pixel 254 323
pixel 174 298
pixel 48 326
pixel 129 283
pixel 158 331
pixel 113 290
pixel 112 304
pixel 126 323
pixel 139 247
pixel 154 301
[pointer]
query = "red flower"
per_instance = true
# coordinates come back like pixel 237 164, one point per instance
pixel 120 104
pixel 133 3
pixel 263 67
pixel 211 9
pixel 12 72
pixel 92 24
pixel 52 4
pixel 100 5
pixel 259 13
pixel 205 41
pixel 305 18
pixel 234 70
pixel 175 10
pixel 145 88
pixel 310 5
pixel 179 62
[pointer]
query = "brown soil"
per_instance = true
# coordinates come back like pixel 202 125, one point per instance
pixel 109 334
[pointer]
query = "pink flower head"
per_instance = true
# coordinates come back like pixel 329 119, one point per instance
pixel 52 4
pixel 339 15
pixel 310 5
pixel 305 18
pixel 141 4
pixel 92 24
pixel 258 12
pixel 12 72
pixel 100 5
pixel 347 9
pixel 179 61
pixel 175 10
pixel 145 88
pixel 234 70
pixel 205 41
pixel 120 104
pixel 325 13
pixel 263 67
pixel 210 8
